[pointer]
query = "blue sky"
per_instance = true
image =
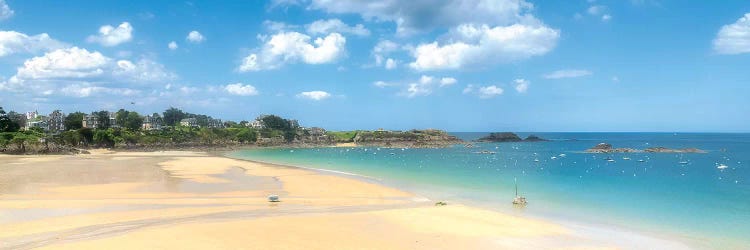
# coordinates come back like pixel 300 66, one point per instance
pixel 459 65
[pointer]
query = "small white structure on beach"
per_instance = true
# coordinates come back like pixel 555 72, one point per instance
pixel 273 198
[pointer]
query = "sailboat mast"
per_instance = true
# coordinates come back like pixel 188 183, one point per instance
pixel 516 182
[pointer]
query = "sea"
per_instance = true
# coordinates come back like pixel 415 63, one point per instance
pixel 700 199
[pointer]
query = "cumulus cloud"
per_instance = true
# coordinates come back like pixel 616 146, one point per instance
pixel 478 45
pixel 599 11
pixel 5 10
pixel 734 38
pixel 521 85
pixel 382 84
pixel 12 42
pixel 314 95
pixel 293 47
pixel 489 91
pixel 446 81
pixel 241 89
pixel 80 73
pixel 112 36
pixel 426 86
pixel 567 73
pixel 335 25
pixel 421 16
pixel 195 37
pixel 172 45
pixel 483 92
pixel 381 53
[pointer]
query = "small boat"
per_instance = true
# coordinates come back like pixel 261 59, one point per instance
pixel 641 160
pixel 626 158
pixel 562 155
pixel 553 158
pixel 722 166
pixel 608 159
pixel 518 200
pixel 684 162
pixel 536 160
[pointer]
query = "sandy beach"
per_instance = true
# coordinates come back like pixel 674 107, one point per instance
pixel 193 200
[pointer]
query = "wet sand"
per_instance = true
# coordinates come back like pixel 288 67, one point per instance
pixel 193 200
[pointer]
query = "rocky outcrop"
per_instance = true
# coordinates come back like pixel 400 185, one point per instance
pixel 607 148
pixel 501 137
pixel 534 138
pixel 509 137
pixel 430 138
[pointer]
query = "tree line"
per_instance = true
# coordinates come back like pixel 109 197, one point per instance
pixel 130 132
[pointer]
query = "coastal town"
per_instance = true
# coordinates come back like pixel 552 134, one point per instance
pixel 58 132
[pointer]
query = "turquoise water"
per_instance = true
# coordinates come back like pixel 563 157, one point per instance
pixel 694 202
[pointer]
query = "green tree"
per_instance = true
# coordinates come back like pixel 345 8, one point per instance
pixel 247 135
pixel 6 124
pixel 133 121
pixel 87 135
pixel 104 138
pixel 173 116
pixel 275 122
pixel 102 118
pixel 17 118
pixel 74 120
pixel 121 117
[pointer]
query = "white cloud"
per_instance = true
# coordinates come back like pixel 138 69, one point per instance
pixel 335 25
pixel 522 85
pixel 567 73
pixel 734 38
pixel 426 85
pixel 469 89
pixel 382 50
pixel 172 45
pixel 478 45
pixel 12 42
pixel 447 81
pixel 382 84
pixel 292 47
pixel 195 37
pixel 241 89
pixel 112 36
pixel 484 92
pixel 81 73
pixel 600 11
pixel 314 95
pixel 278 26
pixel 5 10
pixel 64 63
pixel 390 63
pixel 421 16
pixel 489 91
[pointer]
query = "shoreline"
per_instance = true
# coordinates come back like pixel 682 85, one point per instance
pixel 199 191
pixel 673 241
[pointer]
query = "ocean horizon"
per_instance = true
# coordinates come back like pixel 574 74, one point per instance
pixel 679 196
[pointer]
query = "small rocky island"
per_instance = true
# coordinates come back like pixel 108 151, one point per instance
pixel 509 137
pixel 428 138
pixel 606 148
